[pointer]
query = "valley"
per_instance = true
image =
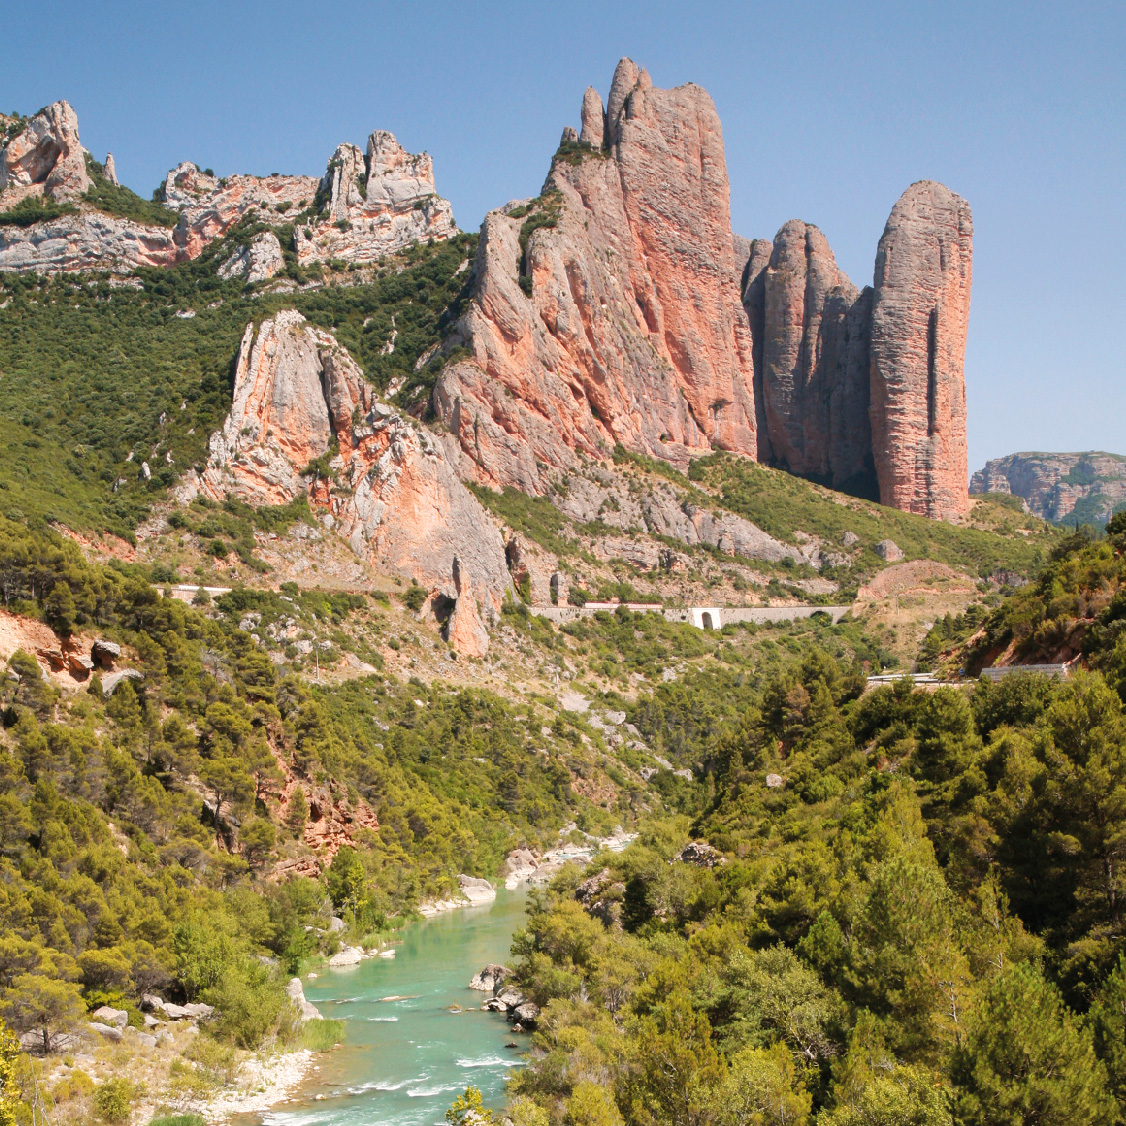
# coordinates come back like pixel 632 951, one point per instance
pixel 356 568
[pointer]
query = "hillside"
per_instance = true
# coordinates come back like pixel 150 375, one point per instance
pixel 1066 489
pixel 318 521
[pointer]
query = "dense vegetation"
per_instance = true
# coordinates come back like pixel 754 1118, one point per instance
pixel 98 377
pixel 135 828
pixel 918 920
pixel 1076 606
pixel 118 200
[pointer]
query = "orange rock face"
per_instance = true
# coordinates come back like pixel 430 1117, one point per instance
pixel 920 313
pixel 607 311
pixel 865 391
pixel 387 488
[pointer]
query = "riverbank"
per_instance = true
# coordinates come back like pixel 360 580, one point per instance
pixel 263 1082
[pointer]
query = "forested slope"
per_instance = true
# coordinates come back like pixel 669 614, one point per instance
pixel 910 910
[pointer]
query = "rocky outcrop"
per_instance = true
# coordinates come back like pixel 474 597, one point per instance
pixel 920 312
pixel 295 991
pixel 87 241
pixel 489 979
pixel 259 260
pixel 796 284
pixel 810 329
pixel 465 631
pixel 375 203
pixel 1061 488
pixel 366 206
pixel 701 855
pixel 864 390
pixel 303 418
pixel 476 890
pixel 607 310
pixel 109 171
pixel 45 154
pixel 604 311
pixel 604 495
pixel 209 207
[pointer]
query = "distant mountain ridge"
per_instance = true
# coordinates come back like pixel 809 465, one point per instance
pixel 1062 488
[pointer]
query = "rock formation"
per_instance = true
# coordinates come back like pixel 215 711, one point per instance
pixel 303 417
pixel 109 170
pixel 259 260
pixel 209 206
pixel 607 310
pixel 375 203
pixel 1061 488
pixel 814 415
pixel 46 155
pixel 865 391
pixel 920 312
pixel 617 307
pixel 89 240
pixel 365 206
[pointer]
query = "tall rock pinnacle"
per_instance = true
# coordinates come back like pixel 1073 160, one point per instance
pixel 920 312
pixel 607 310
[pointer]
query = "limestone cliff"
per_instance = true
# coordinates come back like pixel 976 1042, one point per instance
pixel 365 206
pixel 44 157
pixel 303 417
pixel 607 310
pixel 210 206
pixel 1061 488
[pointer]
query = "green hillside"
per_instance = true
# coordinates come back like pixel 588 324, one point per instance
pixel 92 370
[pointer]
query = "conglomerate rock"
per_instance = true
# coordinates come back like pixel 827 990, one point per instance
pixel 920 312
pixel 387 487
pixel 864 390
pixel 797 367
pixel 608 311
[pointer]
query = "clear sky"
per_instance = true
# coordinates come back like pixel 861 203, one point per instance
pixel 829 111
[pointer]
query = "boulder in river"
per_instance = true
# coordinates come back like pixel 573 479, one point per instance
pixel 348 956
pixel 489 979
pixel 476 890
pixel 526 1015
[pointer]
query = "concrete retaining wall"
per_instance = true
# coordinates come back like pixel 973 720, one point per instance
pixel 702 617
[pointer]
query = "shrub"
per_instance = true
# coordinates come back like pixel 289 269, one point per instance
pixel 35 209
pixel 414 597
pixel 113 1100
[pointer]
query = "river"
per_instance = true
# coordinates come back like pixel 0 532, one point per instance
pixel 404 1061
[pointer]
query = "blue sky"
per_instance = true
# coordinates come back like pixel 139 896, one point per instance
pixel 829 111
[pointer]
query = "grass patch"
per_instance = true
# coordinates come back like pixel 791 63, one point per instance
pixel 781 504
pixel 178 1120
pixel 320 1035
pixel 535 517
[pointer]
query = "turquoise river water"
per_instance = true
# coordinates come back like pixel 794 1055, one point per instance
pixel 404 1061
